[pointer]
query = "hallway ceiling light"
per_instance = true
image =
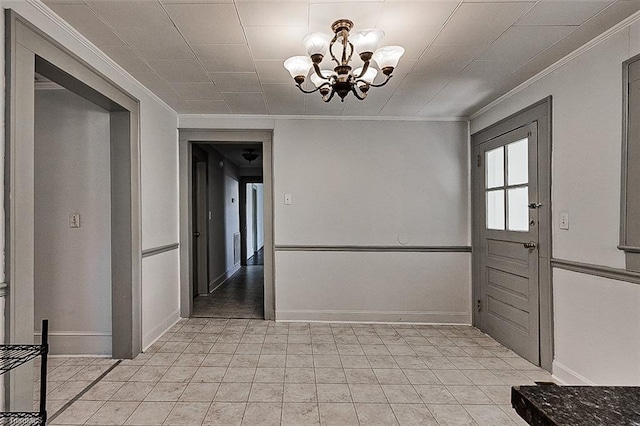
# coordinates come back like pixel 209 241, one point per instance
pixel 249 155
pixel 342 79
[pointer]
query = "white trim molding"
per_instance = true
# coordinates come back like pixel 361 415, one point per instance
pixel 150 337
pixel 461 318
pixel 567 376
pixel 78 343
pixel 223 278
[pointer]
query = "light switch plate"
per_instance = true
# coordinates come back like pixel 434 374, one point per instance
pixel 287 199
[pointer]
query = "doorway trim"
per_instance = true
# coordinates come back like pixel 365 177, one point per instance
pixel 187 137
pixel 540 112
pixel 29 50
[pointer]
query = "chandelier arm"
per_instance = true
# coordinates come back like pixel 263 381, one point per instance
pixel 355 92
pixel 333 92
pixel 345 40
pixel 383 83
pixel 318 72
pixel 364 70
pixel 333 41
pixel 312 91
pixel 351 52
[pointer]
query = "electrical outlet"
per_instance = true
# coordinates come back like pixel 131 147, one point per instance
pixel 564 220
pixel 74 220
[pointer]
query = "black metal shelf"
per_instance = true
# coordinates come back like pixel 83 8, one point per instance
pixel 12 356
pixel 21 419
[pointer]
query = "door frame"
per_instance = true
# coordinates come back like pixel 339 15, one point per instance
pixel 29 50
pixel 541 112
pixel 187 137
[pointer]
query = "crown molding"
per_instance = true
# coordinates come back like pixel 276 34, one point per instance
pixel 559 64
pixel 87 44
pixel 48 85
pixel 315 117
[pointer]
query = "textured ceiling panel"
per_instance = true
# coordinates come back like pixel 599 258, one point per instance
pixel 85 20
pixel 180 70
pixel 225 56
pixel 563 12
pixel 273 14
pixel 521 43
pixel 246 103
pixel 236 82
pixel 197 91
pixel 481 23
pixel 207 23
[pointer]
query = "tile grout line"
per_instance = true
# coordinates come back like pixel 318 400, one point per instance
pixel 85 390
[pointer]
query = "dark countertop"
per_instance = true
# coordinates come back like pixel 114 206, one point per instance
pixel 550 404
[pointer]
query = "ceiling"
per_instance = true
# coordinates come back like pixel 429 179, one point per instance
pixel 233 153
pixel 225 56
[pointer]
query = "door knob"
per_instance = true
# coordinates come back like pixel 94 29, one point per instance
pixel 196 234
pixel 534 205
pixel 530 245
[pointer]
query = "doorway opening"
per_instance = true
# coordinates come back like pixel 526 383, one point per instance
pixel 116 328
pixel 227 230
pixel 254 235
pixel 511 194
pixel 72 216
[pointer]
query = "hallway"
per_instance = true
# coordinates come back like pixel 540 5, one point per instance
pixel 242 296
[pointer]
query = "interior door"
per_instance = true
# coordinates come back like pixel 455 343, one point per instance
pixel 507 206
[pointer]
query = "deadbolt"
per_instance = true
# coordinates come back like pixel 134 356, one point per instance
pixel 530 245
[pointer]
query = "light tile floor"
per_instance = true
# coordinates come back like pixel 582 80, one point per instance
pixel 66 378
pixel 254 372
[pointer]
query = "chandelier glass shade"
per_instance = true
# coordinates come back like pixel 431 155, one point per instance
pixel 342 79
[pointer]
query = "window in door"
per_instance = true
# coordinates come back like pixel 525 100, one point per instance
pixel 507 187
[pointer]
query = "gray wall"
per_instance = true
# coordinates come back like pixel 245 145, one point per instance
pixel 72 266
pixel 231 212
pixel 371 183
pixel 595 316
pixel 222 186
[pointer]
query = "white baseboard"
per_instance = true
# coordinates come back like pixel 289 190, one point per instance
pixel 567 376
pixel 78 343
pixel 463 318
pixel 213 285
pixel 150 337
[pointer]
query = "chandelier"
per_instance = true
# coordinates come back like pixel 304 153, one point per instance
pixel 342 80
pixel 249 155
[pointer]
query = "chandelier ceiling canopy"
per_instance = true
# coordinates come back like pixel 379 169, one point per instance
pixel 342 79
